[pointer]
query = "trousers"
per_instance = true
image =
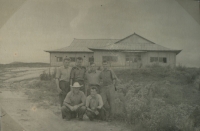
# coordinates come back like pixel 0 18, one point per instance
pixel 108 96
pixel 101 116
pixel 65 87
pixel 68 114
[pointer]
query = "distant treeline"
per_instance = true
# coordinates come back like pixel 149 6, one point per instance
pixel 21 64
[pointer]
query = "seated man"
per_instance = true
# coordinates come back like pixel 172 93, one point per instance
pixel 74 103
pixel 94 105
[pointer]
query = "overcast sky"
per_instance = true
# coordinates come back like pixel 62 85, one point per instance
pixel 28 27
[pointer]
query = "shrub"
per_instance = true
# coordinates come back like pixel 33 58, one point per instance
pixel 155 106
pixel 44 76
pixel 181 67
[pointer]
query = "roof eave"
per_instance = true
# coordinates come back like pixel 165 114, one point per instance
pixel 69 51
pixel 176 51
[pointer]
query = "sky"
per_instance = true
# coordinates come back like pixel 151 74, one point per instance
pixel 28 27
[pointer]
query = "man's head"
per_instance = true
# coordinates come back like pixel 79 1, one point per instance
pixel 79 61
pixel 93 91
pixel 76 87
pixel 105 64
pixel 93 67
pixel 66 61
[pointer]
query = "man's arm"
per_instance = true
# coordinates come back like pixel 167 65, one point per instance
pixel 114 77
pixel 67 102
pixel 87 102
pixel 100 102
pixel 57 80
pixel 71 77
pixel 100 78
pixel 83 99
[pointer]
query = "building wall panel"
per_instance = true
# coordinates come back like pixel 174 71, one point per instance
pixel 171 58
pixel 85 56
pixel 99 54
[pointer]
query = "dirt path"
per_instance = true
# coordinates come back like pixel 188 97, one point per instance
pixel 30 118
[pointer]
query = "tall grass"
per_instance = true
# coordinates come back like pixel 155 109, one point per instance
pixel 159 98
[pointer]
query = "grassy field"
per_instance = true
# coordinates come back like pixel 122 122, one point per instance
pixel 21 64
pixel 160 99
pixel 151 99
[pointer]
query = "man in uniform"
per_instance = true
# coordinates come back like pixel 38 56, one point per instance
pixel 74 103
pixel 78 74
pixel 63 79
pixel 108 79
pixel 92 77
pixel 94 105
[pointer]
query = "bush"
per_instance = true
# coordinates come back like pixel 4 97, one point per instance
pixel 44 76
pixel 158 98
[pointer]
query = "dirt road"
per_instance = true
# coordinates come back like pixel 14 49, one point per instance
pixel 27 116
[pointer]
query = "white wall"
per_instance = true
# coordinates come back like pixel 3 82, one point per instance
pixel 85 56
pixel 98 57
pixel 171 58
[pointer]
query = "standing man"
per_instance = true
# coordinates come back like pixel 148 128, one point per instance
pixel 94 105
pixel 63 79
pixel 92 77
pixel 74 103
pixel 78 74
pixel 108 79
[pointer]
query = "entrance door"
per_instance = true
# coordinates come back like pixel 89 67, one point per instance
pixel 133 60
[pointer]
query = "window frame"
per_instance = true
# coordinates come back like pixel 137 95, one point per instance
pixel 110 58
pixel 59 59
pixel 158 59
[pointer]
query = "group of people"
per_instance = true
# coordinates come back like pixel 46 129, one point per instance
pixel 86 91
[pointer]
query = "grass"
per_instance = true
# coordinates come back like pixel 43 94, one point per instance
pixel 22 64
pixel 151 99
pixel 158 98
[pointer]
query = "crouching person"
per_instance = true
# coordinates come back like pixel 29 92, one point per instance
pixel 94 105
pixel 74 102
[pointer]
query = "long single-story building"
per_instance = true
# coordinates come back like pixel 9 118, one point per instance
pixel 132 51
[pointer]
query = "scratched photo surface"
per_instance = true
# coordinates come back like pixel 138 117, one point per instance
pixel 141 56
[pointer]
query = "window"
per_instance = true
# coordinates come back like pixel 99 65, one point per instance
pixel 72 59
pixel 153 59
pixel 163 59
pixel 158 59
pixel 59 59
pixel 110 58
pixel 91 59
pixel 133 58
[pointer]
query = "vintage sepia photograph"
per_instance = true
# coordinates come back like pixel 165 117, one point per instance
pixel 99 65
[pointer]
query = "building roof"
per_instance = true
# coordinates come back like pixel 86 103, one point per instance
pixel 72 49
pixel 92 43
pixel 135 42
pixel 136 47
pixel 132 42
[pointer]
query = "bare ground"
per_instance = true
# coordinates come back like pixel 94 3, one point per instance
pixel 37 114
